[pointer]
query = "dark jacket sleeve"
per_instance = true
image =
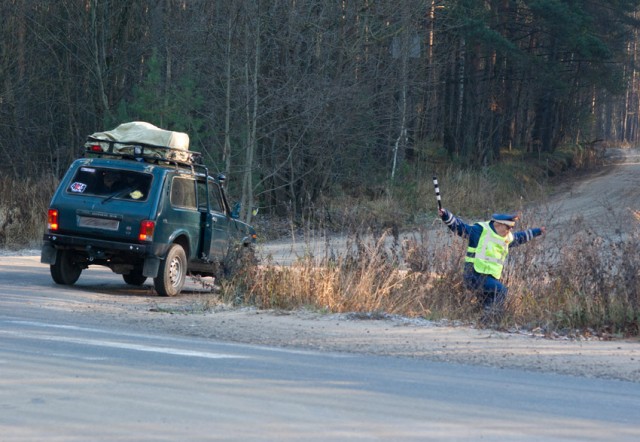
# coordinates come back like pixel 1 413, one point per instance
pixel 456 225
pixel 524 236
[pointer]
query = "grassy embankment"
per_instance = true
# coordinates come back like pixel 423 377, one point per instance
pixel 550 289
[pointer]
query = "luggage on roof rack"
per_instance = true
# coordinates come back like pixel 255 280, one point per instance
pixel 143 141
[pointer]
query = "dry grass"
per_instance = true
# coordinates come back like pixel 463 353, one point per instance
pixel 366 277
pixel 23 210
pixel 554 291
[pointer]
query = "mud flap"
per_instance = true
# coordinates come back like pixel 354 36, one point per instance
pixel 48 254
pixel 151 266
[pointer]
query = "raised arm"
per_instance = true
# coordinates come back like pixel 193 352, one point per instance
pixel 455 224
pixel 524 236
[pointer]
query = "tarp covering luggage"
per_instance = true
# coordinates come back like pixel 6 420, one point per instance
pixel 158 143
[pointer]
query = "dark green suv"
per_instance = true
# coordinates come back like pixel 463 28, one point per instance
pixel 144 211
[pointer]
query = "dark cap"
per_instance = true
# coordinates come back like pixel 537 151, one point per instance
pixel 504 218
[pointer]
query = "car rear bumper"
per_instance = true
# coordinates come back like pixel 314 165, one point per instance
pixel 93 246
pixel 113 254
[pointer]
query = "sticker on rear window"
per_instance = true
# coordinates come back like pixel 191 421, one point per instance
pixel 87 169
pixel 78 187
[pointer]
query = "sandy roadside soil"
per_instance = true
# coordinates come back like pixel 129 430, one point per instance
pixel 195 313
pixel 395 336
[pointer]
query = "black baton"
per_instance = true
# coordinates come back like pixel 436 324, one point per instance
pixel 435 185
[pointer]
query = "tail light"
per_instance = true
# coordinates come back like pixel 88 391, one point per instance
pixel 146 230
pixel 52 220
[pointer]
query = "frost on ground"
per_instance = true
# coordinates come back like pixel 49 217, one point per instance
pixel 20 252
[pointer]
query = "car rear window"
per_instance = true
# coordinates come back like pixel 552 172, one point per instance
pixel 113 183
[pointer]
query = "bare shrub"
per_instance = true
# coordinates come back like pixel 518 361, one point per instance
pixel 365 277
pixel 371 275
pixel 573 279
pixel 586 282
pixel 23 210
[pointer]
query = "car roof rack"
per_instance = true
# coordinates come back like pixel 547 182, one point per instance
pixel 138 151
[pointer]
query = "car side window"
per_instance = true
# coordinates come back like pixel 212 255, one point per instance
pixel 183 193
pixel 215 202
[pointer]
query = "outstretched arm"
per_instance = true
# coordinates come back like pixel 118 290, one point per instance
pixel 526 235
pixel 455 224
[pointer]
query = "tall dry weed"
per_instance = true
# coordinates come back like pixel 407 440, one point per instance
pixel 381 273
pixel 367 276
pixel 573 278
pixel 23 210
pixel 583 282
pixel 580 279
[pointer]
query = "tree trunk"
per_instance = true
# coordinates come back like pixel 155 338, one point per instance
pixel 226 151
pixel 251 79
pixel 97 39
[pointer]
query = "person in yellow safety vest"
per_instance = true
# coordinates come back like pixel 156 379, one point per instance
pixel 487 251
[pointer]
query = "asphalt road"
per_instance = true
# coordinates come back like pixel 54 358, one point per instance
pixel 68 379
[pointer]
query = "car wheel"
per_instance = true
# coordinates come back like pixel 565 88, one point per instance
pixel 65 271
pixel 172 272
pixel 135 277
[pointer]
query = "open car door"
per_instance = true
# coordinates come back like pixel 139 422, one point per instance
pixel 215 225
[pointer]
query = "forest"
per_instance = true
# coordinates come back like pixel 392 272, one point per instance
pixel 298 100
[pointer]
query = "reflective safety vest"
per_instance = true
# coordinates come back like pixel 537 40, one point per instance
pixel 489 255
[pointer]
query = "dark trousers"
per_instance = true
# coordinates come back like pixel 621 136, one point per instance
pixel 490 291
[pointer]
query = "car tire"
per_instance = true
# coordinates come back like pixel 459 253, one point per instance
pixel 135 277
pixel 172 272
pixel 65 271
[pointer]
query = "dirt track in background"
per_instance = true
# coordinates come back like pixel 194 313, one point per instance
pixel 608 201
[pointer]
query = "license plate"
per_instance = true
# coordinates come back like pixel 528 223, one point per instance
pixel 99 223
